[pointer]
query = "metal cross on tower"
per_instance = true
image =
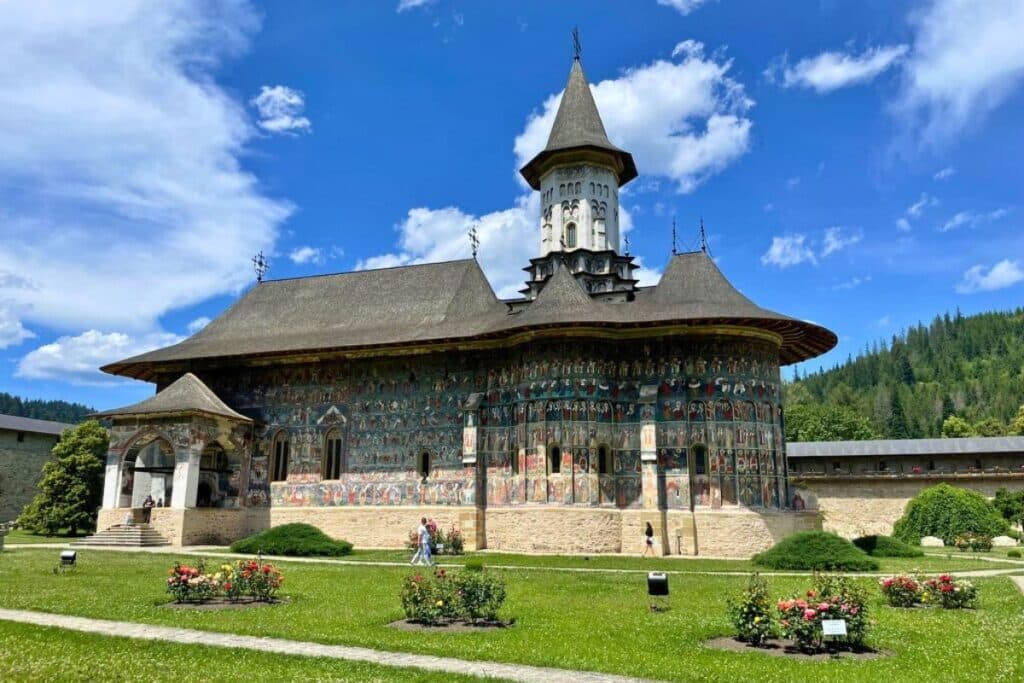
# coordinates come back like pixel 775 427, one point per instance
pixel 626 239
pixel 674 249
pixel 474 240
pixel 260 265
pixel 577 47
pixel 703 237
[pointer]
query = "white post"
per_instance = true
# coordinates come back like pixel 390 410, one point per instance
pixel 186 480
pixel 112 482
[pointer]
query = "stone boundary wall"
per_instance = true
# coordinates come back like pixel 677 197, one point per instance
pixel 21 468
pixel 741 532
pixel 861 506
pixel 376 526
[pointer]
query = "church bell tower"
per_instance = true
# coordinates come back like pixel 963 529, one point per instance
pixel 578 174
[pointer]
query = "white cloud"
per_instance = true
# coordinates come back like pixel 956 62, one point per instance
pixel 903 225
pixel 121 183
pixel 852 283
pixel 917 208
pixel 198 324
pixel 12 332
pixel 280 109
pixel 792 182
pixel 684 7
pixel 945 174
pixel 884 321
pixel 787 251
pixel 684 119
pixel 966 59
pixel 77 359
pixel 306 254
pixel 1001 275
pixel 837 238
pixel 833 70
pixel 404 5
pixel 971 219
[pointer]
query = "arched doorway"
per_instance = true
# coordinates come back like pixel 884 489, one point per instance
pixel 214 488
pixel 147 470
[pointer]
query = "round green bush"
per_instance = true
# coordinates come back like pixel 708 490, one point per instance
pixel 1013 553
pixel 815 550
pixel 886 546
pixel 292 539
pixel 947 512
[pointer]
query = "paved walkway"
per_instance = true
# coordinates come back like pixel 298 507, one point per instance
pixel 1019 580
pixel 126 629
pixel 214 551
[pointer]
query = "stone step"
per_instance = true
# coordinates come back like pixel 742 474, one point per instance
pixel 134 536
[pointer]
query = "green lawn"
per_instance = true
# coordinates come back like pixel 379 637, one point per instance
pixel 36 653
pixel 590 621
pixel 20 536
pixel 956 561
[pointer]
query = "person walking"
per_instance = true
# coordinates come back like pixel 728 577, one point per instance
pixel 424 533
pixel 648 540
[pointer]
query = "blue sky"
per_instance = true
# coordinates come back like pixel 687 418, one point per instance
pixel 855 163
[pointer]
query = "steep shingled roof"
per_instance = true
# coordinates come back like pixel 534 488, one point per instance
pixel 187 394
pixel 453 302
pixel 578 125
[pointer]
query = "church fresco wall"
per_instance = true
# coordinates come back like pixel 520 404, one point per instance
pixel 718 393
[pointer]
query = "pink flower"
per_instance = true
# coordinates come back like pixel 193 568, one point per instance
pixel 853 610
pixel 887 582
pixel 809 614
pixel 823 606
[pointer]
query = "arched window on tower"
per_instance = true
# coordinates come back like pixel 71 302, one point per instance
pixel 423 464
pixel 570 235
pixel 604 460
pixel 279 468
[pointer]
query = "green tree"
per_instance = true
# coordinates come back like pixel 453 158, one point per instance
pixel 956 427
pixel 817 422
pixel 947 512
pixel 896 424
pixel 72 486
pixel 990 426
pixel 1010 505
pixel 1017 425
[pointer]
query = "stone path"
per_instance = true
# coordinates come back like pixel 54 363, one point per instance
pixel 126 629
pixel 1019 580
pixel 212 551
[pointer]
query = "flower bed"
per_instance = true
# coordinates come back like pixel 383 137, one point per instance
pixel 944 590
pixel 258 581
pixel 440 597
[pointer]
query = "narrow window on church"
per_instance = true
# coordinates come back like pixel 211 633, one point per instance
pixel 604 458
pixel 423 466
pixel 700 459
pixel 279 469
pixel 554 460
pixel 570 235
pixel 515 462
pixel 332 456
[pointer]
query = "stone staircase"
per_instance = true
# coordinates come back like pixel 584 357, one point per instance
pixel 121 536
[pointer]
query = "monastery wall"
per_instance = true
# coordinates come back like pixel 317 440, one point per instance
pixel 854 506
pixel 21 468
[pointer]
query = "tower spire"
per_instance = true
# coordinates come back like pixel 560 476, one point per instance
pixel 577 47
pixel 674 250
pixel 703 237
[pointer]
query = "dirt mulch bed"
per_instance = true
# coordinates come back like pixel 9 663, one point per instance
pixel 224 603
pixel 788 648
pixel 456 626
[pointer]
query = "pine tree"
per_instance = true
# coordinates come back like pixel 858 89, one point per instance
pixel 72 486
pixel 896 425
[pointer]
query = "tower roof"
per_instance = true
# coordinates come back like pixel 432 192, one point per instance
pixel 578 127
pixel 187 394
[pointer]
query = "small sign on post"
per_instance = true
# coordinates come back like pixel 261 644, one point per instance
pixel 833 627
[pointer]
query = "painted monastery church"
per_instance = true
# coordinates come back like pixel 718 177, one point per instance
pixel 559 421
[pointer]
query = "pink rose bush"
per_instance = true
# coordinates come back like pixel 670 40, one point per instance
pixel 944 590
pixel 833 597
pixel 258 580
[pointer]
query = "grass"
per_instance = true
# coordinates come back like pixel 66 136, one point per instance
pixel 21 536
pixel 593 621
pixel 38 653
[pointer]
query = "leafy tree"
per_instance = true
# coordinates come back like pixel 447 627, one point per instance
pixel 1017 425
pixel 947 512
pixel 816 422
pixel 956 427
pixel 72 486
pixel 1010 505
pixel 990 426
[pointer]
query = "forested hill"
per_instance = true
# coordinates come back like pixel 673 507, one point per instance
pixel 58 411
pixel 970 367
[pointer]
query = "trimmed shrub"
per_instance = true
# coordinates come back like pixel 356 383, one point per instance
pixel 1013 553
pixel 292 539
pixel 815 550
pixel 886 546
pixel 947 512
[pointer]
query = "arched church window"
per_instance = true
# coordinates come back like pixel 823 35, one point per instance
pixel 578 187
pixel 570 235
pixel 561 190
pixel 700 459
pixel 279 466
pixel 554 460
pixel 604 460
pixel 591 188
pixel 332 466
pixel 423 464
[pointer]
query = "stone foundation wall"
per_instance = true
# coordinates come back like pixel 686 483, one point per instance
pixel 219 526
pixel 556 530
pixel 853 507
pixel 741 533
pixel 167 521
pixel 376 526
pixel 21 468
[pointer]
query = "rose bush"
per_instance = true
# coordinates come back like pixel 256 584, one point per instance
pixel 443 596
pixel 951 593
pixel 751 614
pixel 245 578
pixel 902 590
